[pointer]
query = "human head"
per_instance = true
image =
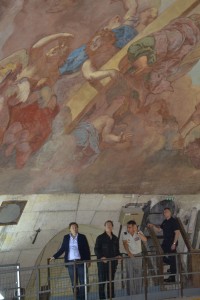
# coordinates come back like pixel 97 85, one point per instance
pixel 167 213
pixel 73 228
pixel 57 50
pixel 100 41
pixel 108 226
pixel 131 227
pixel 45 98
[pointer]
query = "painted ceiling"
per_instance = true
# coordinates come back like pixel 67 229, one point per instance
pixel 99 96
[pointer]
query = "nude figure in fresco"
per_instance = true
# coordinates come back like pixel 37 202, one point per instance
pixel 139 13
pixel 46 57
pixel 27 97
pixel 64 156
pixel 29 127
pixel 34 67
pixel 106 42
pixel 89 138
pixel 160 59
pixel 156 58
pixel 91 134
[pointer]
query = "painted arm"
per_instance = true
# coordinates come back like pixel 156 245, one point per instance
pixel 49 38
pixel 91 74
pixel 107 136
pixel 131 7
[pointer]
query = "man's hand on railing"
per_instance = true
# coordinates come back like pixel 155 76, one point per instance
pixel 173 247
pixel 88 264
pixel 118 258
pixel 51 258
pixel 103 258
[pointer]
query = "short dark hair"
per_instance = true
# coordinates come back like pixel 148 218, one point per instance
pixel 167 208
pixel 131 222
pixel 108 221
pixel 72 223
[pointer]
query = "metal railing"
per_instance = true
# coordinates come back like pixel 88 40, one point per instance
pixel 52 281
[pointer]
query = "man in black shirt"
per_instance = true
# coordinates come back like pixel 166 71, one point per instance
pixel 107 246
pixel 171 234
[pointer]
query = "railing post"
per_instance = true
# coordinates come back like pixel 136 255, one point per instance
pixel 37 283
pixel 48 275
pixel 122 272
pixel 85 280
pixel 178 261
pixel 75 283
pixel 18 283
pixel 110 279
pixel 145 265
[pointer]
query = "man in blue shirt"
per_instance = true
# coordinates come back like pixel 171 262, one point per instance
pixel 76 248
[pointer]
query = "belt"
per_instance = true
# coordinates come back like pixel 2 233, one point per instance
pixel 138 254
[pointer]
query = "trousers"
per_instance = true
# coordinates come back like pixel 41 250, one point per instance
pixel 103 275
pixel 134 274
pixel 169 260
pixel 79 279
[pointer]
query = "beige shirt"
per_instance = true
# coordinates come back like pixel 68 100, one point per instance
pixel 134 242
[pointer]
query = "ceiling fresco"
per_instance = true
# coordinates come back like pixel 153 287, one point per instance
pixel 100 96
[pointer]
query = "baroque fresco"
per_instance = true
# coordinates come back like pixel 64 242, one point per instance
pixel 100 96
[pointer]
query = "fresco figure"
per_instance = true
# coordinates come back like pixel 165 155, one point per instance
pixel 160 53
pixel 46 57
pixel 7 75
pixel 106 42
pixel 23 89
pixel 90 134
pixel 29 127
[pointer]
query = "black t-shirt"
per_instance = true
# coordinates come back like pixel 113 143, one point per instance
pixel 106 247
pixel 169 226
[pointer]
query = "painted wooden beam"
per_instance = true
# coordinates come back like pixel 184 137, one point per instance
pixel 84 98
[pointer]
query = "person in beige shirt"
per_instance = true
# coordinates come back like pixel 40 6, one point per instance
pixel 133 246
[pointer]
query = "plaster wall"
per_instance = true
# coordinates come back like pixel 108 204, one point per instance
pixel 52 214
